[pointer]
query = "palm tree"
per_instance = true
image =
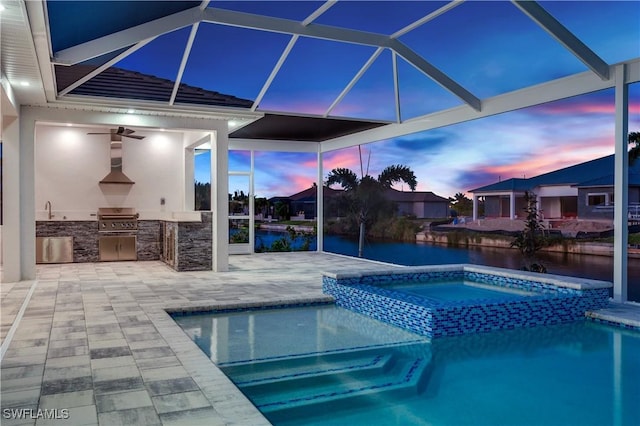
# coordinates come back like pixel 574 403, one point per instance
pixel 366 195
pixel 634 152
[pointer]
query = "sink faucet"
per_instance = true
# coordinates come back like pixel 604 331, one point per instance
pixel 47 207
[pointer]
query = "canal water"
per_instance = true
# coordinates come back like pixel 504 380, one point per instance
pixel 413 254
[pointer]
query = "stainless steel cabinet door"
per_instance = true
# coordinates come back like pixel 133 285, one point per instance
pixel 108 247
pixel 127 249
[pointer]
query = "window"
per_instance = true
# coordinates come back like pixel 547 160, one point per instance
pixel 598 199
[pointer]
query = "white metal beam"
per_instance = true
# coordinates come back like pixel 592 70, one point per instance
pixel 39 26
pixel 565 37
pixel 274 72
pixel 447 7
pixel 354 80
pixel 272 145
pixel 102 104
pixel 621 187
pixel 183 63
pixel 396 88
pixel 286 26
pixel 103 67
pixel 319 11
pixel 130 36
pixel 562 88
pixel 436 75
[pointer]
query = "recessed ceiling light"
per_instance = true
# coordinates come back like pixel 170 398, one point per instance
pixel 24 83
pixel 1 8
pixel 69 125
pixel 130 111
pixel 162 130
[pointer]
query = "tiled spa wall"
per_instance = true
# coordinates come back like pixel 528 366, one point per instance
pixel 551 305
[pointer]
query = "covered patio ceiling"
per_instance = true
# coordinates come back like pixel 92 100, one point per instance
pixel 342 72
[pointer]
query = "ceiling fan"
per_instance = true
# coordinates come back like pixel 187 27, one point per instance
pixel 116 134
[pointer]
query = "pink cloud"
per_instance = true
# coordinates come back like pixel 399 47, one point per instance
pixel 575 107
pixel 552 158
pixel 347 158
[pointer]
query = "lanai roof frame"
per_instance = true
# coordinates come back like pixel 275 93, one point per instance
pixel 600 75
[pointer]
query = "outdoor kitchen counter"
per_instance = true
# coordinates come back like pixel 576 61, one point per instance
pixel 188 249
pixel 187 243
pixel 84 233
pixel 86 237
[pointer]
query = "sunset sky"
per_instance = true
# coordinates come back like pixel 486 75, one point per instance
pixel 489 48
pixel 465 156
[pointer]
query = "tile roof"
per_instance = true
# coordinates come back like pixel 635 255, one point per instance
pixel 124 84
pixel 513 184
pixel 414 196
pixel 596 172
pixel 120 83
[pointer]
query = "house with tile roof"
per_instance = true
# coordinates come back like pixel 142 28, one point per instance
pixel 582 191
pixel 421 204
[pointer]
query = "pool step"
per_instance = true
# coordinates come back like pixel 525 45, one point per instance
pixel 402 374
pixel 277 373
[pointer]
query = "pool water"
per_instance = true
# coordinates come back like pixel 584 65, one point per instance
pixel 325 365
pixel 459 291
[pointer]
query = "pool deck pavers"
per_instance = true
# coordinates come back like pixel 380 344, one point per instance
pixel 96 341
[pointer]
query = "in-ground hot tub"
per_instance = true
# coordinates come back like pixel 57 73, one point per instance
pixel 438 301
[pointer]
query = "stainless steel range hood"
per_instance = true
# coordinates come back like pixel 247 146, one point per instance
pixel 116 175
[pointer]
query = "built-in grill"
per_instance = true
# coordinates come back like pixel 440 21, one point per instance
pixel 117 228
pixel 122 219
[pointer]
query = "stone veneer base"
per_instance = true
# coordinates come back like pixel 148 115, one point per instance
pixel 557 299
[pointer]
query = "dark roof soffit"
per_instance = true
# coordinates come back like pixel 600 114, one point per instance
pixel 298 128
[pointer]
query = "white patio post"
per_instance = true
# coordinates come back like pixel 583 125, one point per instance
pixel 512 205
pixel 621 181
pixel 475 207
pixel 220 200
pixel 320 205
pixel 539 206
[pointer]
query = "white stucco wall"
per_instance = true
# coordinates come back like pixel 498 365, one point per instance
pixel 556 191
pixel 69 164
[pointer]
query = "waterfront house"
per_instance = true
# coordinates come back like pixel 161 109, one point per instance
pixel 582 191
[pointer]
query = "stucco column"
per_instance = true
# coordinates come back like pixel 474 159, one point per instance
pixel 475 207
pixel 621 188
pixel 220 199
pixel 27 195
pixel 189 201
pixel 512 205
pixel 12 222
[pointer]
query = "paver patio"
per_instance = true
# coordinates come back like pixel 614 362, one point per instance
pixel 95 339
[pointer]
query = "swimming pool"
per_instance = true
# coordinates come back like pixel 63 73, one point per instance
pixel 324 365
pixel 429 300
